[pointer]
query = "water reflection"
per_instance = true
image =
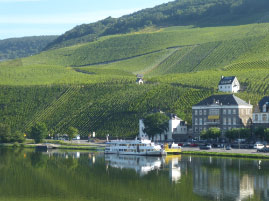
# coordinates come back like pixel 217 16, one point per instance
pixel 84 175
pixel 141 164
pixel 221 179
pixel 213 178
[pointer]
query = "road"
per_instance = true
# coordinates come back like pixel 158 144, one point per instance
pixel 221 150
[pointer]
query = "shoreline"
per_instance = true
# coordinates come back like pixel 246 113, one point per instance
pixel 235 153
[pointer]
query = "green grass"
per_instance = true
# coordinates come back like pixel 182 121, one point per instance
pixel 235 155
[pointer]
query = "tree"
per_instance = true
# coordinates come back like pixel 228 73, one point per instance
pixel 211 133
pixel 5 133
pixel 38 132
pixel 72 132
pixel 18 136
pixel 156 123
pixel 259 132
pixel 238 133
pixel 266 134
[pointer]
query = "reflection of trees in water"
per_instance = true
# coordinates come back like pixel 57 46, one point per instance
pixel 38 160
pixel 36 175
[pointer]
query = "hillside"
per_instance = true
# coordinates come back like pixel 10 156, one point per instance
pixel 13 48
pixel 198 13
pixel 91 85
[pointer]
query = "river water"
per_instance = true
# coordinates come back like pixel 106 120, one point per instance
pixel 26 175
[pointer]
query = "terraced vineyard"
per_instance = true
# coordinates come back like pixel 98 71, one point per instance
pixel 92 86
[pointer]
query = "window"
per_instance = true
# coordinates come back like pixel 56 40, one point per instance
pixel 196 121
pixel 256 117
pixel 196 129
pixel 224 121
pixel 200 121
pixel 205 120
pixel 229 111
pixel 205 112
pixel 234 121
pixel 234 111
pixel 174 129
pixel 264 117
pixel 224 111
pixel 214 112
pixel 200 112
pixel 196 112
pixel 229 121
pixel 200 129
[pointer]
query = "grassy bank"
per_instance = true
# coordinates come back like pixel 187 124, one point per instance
pixel 221 154
pixel 67 147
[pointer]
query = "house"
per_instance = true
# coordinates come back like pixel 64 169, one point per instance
pixel 139 79
pixel 177 130
pixel 229 84
pixel 261 113
pixel 222 111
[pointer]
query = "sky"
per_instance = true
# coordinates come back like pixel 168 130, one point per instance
pixel 20 18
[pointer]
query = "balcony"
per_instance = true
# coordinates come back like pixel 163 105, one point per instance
pixel 212 123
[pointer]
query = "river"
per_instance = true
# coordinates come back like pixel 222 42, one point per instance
pixel 26 175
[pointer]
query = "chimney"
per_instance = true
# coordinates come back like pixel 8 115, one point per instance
pixel 222 77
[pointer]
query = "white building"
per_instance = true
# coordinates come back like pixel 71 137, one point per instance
pixel 261 113
pixel 139 81
pixel 229 84
pixel 177 129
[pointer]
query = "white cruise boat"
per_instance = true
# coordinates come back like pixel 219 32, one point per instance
pixel 134 147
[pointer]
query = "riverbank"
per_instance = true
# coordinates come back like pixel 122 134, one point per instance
pixel 239 153
pixel 70 146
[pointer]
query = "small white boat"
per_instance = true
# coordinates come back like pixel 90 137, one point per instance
pixel 134 147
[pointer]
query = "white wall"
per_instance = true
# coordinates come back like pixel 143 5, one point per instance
pixel 173 123
pixel 230 87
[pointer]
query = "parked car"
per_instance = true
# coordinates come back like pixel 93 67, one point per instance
pixel 264 149
pixel 186 144
pixel 228 147
pixel 194 145
pixel 258 146
pixel 206 146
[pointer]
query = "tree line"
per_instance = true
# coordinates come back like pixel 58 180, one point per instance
pixel 177 13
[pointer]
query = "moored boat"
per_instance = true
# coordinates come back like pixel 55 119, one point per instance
pixel 134 147
pixel 172 149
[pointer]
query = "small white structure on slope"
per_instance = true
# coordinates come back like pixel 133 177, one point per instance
pixel 229 84
pixel 139 79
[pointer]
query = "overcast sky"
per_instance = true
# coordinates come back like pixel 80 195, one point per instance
pixel 53 17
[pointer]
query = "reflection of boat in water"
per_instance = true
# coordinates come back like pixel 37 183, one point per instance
pixel 175 169
pixel 172 149
pixel 141 164
pixel 134 147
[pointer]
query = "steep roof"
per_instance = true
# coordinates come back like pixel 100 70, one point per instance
pixel 229 99
pixel 264 101
pixel 227 80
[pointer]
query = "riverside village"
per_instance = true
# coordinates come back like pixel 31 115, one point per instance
pixel 225 112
